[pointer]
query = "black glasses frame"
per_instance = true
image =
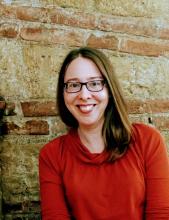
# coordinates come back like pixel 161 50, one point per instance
pixel 86 84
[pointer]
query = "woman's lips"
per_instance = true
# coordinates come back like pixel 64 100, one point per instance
pixel 86 108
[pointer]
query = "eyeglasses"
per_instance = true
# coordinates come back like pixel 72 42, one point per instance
pixel 92 86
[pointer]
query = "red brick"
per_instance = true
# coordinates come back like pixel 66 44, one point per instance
pixel 24 13
pixel 32 127
pixel 158 106
pixel 50 36
pixel 37 127
pixel 76 19
pixel 71 38
pixel 32 34
pixel 144 48
pixel 8 30
pixel 164 32
pixel 148 106
pixel 135 26
pixel 32 14
pixel 49 15
pixel 35 108
pixel 105 42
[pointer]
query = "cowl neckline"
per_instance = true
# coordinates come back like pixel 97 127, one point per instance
pixel 81 152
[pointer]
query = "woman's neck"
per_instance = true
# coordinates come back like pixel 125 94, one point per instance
pixel 92 138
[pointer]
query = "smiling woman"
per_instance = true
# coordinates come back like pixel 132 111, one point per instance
pixel 115 121
pixel 104 167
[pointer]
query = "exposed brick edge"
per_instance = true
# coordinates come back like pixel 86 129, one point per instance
pixel 135 106
pixel 77 18
pixel 148 106
pixel 31 127
pixel 78 38
pixel 36 108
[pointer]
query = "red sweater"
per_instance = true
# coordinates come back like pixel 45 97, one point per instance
pixel 77 184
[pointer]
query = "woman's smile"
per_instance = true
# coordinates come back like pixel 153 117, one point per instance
pixel 86 108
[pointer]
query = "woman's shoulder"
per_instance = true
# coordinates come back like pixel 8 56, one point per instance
pixel 147 138
pixel 146 130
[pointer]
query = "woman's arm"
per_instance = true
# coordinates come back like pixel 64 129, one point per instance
pixel 53 204
pixel 157 179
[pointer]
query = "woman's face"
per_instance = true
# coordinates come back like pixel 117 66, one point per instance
pixel 86 106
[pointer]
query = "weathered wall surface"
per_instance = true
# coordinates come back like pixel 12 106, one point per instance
pixel 35 36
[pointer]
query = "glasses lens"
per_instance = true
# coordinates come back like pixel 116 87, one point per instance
pixel 95 86
pixel 73 86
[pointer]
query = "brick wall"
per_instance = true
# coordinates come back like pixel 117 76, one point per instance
pixel 35 36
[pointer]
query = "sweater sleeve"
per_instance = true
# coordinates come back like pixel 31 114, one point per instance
pixel 53 204
pixel 157 178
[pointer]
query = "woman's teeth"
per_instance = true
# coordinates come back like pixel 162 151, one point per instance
pixel 86 108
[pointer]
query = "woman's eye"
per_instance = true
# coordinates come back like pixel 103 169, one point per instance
pixel 95 83
pixel 74 85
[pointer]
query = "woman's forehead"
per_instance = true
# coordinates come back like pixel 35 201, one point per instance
pixel 82 67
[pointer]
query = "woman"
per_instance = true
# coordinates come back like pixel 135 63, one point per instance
pixel 104 167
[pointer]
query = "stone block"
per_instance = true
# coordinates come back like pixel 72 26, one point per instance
pixel 141 77
pixel 151 8
pixel 29 71
pixel 20 172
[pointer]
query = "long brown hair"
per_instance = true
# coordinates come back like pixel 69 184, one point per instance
pixel 116 129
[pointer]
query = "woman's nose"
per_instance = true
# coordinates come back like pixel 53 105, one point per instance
pixel 84 92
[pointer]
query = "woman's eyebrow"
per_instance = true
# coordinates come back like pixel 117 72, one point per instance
pixel 96 77
pixel 88 79
pixel 73 79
